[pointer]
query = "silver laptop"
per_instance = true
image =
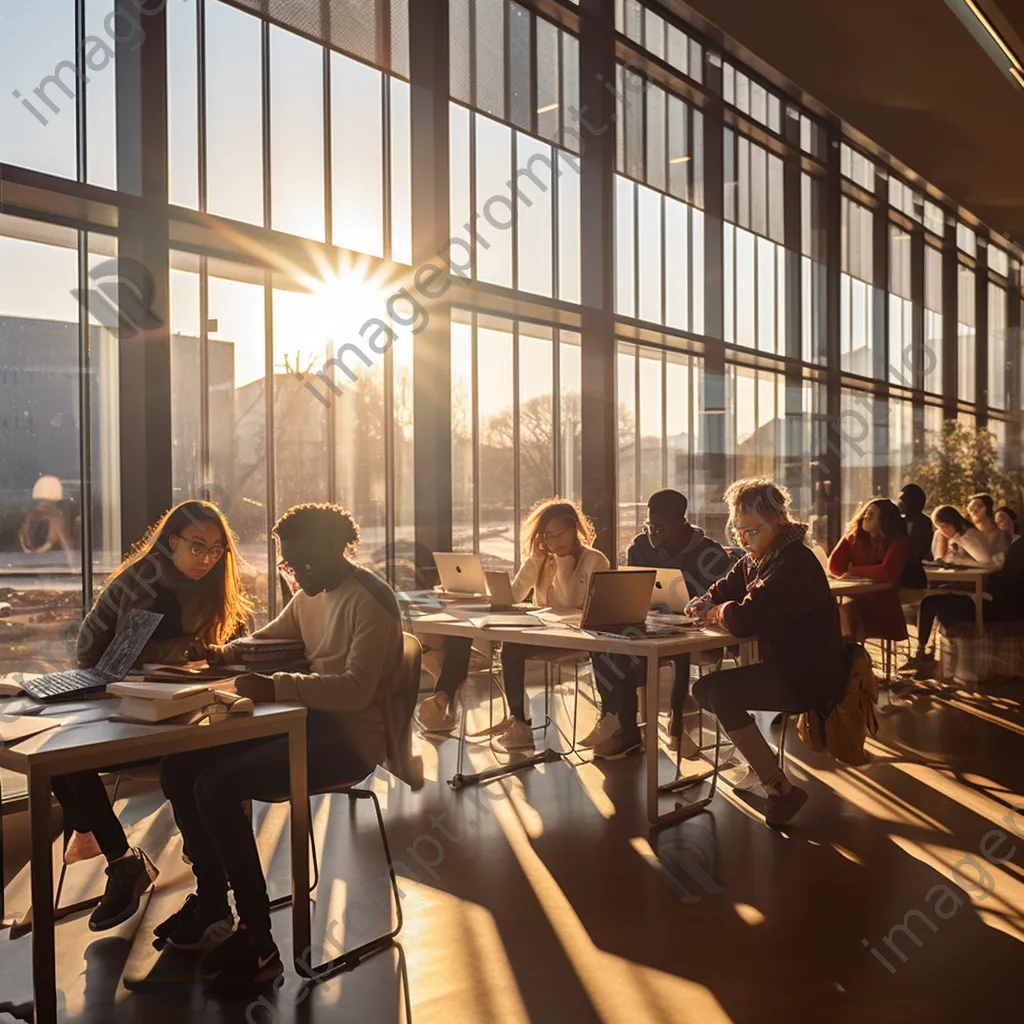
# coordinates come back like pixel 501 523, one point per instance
pixel 670 593
pixel 499 587
pixel 460 573
pixel 617 601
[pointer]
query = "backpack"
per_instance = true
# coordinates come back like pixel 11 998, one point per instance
pixel 843 728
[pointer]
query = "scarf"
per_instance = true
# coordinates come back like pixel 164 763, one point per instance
pixel 791 533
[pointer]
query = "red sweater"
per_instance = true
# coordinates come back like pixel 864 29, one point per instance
pixel 880 611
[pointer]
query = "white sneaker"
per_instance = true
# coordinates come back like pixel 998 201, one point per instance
pixel 435 715
pixel 607 726
pixel 518 736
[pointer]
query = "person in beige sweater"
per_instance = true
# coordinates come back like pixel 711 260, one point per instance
pixel 557 541
pixel 350 626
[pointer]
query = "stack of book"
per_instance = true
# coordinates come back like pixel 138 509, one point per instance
pixel 267 656
pixel 158 702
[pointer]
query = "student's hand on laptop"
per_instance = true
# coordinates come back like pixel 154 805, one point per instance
pixel 259 689
pixel 215 654
pixel 198 650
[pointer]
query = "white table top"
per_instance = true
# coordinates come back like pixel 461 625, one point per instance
pixel 90 739
pixel 563 633
pixel 961 573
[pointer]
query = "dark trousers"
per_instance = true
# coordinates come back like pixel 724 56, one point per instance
pixel 618 678
pixel 86 806
pixel 208 789
pixel 730 693
pixel 455 667
pixel 949 609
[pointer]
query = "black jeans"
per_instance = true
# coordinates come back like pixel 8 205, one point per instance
pixel 949 609
pixel 455 667
pixel 730 693
pixel 87 808
pixel 618 678
pixel 208 789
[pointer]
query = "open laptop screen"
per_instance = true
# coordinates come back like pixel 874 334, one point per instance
pixel 127 645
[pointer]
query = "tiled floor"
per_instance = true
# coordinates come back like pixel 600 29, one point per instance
pixel 544 898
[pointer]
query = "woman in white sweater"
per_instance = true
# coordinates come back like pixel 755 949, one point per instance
pixel 556 542
pixel 957 542
pixel 559 561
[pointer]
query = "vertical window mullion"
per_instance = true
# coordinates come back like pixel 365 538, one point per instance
pixel 328 151
pixel 556 410
pixel 389 463
pixel 204 373
pixel 268 439
pixel 385 100
pixel 516 512
pixel 85 418
pixel 81 104
pixel 475 389
pixel 664 418
pixel 267 184
pixel 201 113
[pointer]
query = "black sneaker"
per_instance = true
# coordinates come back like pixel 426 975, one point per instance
pixel 128 879
pixel 196 928
pixel 240 963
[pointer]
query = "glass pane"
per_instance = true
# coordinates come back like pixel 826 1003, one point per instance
pixel 186 392
pixel 677 269
pixel 569 238
pixel 536 440
pixel 629 519
pixel 101 91
pixel 570 91
pixel 357 127
pixel 679 423
pixel 570 445
pixel 490 56
pixel 520 69
pixel 533 205
pixel 39 85
pixel 463 478
pixel 493 171
pixel 182 106
pixel 460 173
pixel 403 575
pixel 497 467
pixel 548 61
pixel 296 135
pixel 656 164
pixel 649 214
pixel 40 472
pixel 651 426
pixel 625 241
pixel 401 173
pixel 238 442
pixel 234 113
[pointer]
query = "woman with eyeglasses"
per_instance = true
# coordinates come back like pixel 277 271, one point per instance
pixel 556 541
pixel 187 569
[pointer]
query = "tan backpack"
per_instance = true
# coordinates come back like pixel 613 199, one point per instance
pixel 843 729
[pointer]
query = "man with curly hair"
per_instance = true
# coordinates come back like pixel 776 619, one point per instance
pixel 349 623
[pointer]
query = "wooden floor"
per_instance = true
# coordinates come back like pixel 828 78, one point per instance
pixel 545 898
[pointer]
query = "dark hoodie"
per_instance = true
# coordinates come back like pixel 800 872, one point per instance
pixel 702 560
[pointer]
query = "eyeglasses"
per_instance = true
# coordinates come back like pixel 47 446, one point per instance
pixel 199 550
pixel 739 532
pixel 652 529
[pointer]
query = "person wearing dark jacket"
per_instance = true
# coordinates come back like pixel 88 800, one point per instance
pixel 1006 588
pixel 669 541
pixel 919 533
pixel 779 594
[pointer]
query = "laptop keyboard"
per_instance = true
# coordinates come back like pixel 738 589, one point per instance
pixel 60 683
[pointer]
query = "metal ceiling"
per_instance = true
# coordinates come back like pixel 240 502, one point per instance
pixel 905 73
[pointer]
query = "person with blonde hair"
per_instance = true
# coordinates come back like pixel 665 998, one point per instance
pixel 779 593
pixel 556 540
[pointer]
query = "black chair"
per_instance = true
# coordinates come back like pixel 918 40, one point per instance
pixel 400 763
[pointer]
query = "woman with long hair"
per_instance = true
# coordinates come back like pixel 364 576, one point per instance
pixel 981 512
pixel 874 547
pixel 956 541
pixel 556 542
pixel 559 558
pixel 187 569
pixel 1006 520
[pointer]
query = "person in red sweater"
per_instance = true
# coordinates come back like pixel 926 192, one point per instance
pixel 875 547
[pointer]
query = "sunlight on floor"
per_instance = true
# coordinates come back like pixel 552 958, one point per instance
pixel 748 914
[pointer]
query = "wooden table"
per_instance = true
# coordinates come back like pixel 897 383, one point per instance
pixel 851 587
pixel 89 741
pixel 455 621
pixel 976 577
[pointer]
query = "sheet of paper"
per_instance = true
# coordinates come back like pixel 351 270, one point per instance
pixel 19 727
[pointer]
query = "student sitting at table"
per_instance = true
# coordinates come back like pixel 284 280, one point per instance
pixel 779 594
pixel 556 540
pixel 1006 589
pixel 349 622
pixel 1006 520
pixel 919 529
pixel 669 541
pixel 956 541
pixel 186 567
pixel 981 512
pixel 875 548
